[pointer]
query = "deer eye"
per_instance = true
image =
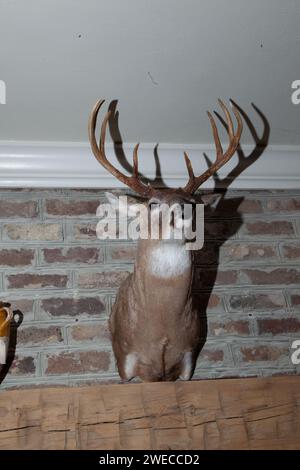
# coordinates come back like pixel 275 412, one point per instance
pixel 182 210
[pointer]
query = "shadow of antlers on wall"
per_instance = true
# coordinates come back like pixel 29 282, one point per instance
pixel 218 230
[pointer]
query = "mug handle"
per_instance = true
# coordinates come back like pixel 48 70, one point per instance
pixel 9 315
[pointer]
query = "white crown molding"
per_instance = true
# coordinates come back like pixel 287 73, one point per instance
pixel 72 165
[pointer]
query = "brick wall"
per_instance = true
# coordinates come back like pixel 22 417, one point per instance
pixel 62 280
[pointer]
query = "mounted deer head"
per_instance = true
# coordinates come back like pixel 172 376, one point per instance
pixel 155 331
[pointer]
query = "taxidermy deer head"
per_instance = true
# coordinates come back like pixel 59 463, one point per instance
pixel 154 328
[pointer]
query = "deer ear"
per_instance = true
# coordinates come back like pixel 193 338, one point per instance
pixel 211 200
pixel 112 199
pixel 127 206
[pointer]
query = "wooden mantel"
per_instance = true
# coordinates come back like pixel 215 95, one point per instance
pixel 211 414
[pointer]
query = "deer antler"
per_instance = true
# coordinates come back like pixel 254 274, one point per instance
pixel 133 181
pixel 221 158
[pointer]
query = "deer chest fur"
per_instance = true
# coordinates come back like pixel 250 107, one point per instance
pixel 169 260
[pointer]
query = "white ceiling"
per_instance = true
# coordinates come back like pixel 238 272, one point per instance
pixel 166 61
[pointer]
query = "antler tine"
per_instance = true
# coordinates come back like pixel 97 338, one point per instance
pixel 221 158
pixel 135 160
pixel 133 181
pixel 103 133
pixel 239 121
pixel 189 165
pixel 218 145
pixel 228 117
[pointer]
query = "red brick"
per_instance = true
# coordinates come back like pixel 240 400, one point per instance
pixel 14 258
pixel 271 229
pixel 242 251
pixel 233 252
pixel 295 300
pixel 206 301
pixel 103 279
pixel 78 362
pixel 262 353
pixel 14 208
pixel 23 365
pixel 77 254
pixel 97 191
pixel 256 301
pixel 71 208
pixel 250 206
pixel 90 332
pixel 24 305
pixel 291 250
pixel 229 327
pixel 209 277
pixel 277 326
pixel 214 303
pixel 211 355
pixel 284 205
pixel 73 307
pixel 220 229
pixel 272 276
pixel 39 335
pixel 246 206
pixel 122 253
pixel 36 281
pixel 84 232
pixel 226 277
pixel 43 231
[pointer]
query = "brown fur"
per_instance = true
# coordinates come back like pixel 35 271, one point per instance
pixel 153 316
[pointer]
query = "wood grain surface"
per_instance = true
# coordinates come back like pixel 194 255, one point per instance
pixel 211 414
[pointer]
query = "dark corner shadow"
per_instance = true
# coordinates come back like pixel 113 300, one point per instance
pixel 14 325
pixel 223 219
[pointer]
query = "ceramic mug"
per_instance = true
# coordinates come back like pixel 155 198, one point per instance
pixel 5 319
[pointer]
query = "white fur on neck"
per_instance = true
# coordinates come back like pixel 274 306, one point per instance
pixel 169 260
